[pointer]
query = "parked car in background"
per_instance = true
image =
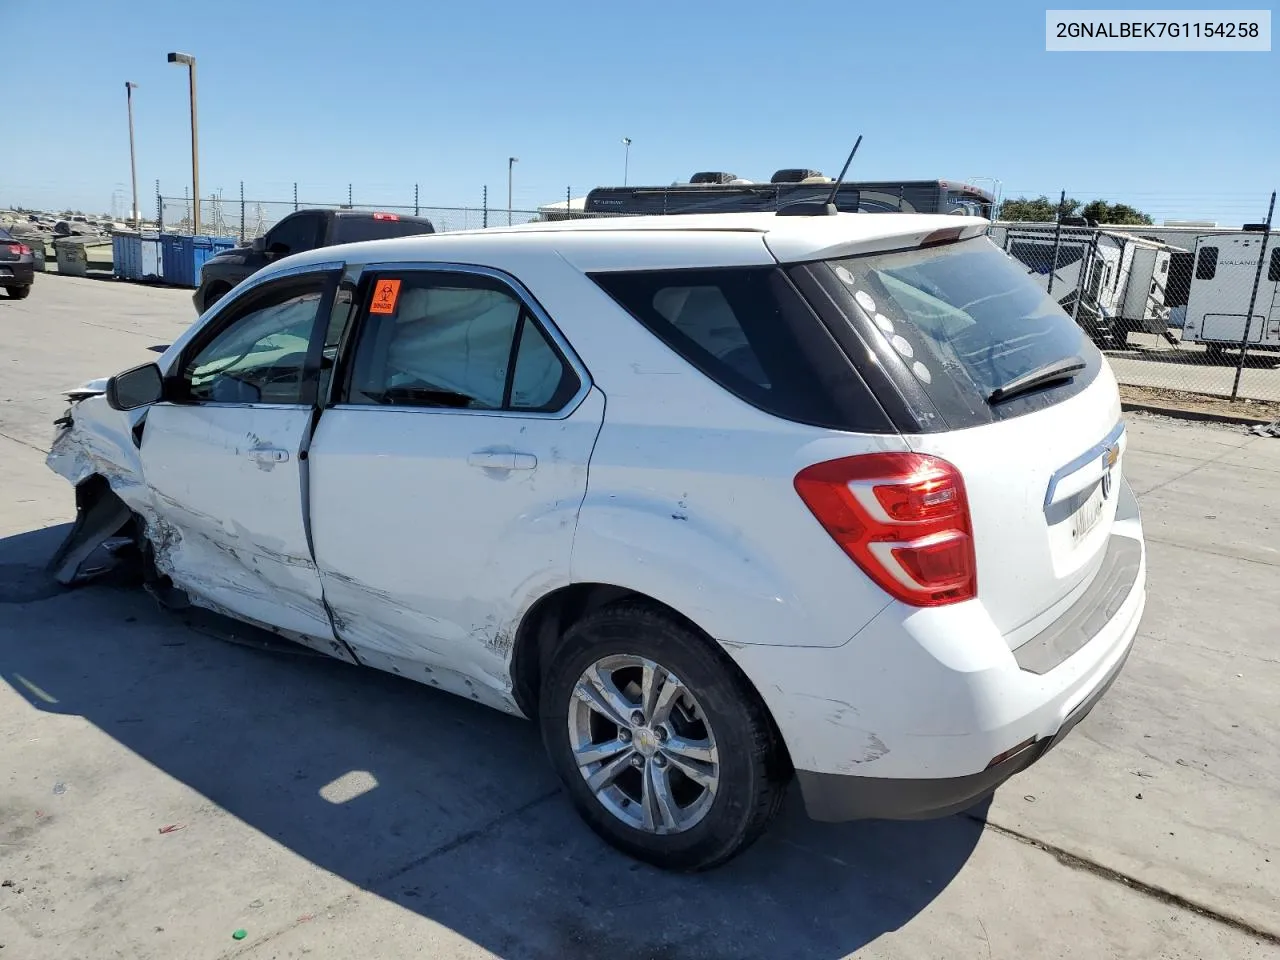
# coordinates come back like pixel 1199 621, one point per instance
pixel 17 265
pixel 717 500
pixel 298 232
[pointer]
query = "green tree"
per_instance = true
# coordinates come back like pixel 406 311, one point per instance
pixel 1104 212
pixel 1039 210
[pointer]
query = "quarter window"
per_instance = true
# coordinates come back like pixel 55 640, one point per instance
pixel 458 341
pixel 261 357
pixel 747 330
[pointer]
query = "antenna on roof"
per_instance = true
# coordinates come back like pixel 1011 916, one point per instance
pixel 821 208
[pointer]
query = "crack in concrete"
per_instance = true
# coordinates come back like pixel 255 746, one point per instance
pixel 1212 553
pixel 1076 862
pixel 29 446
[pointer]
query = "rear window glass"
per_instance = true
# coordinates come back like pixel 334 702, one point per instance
pixel 355 229
pixel 747 330
pixel 964 319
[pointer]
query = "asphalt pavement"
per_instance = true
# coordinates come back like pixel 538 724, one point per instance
pixel 163 789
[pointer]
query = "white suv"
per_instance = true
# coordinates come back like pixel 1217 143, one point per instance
pixel 717 499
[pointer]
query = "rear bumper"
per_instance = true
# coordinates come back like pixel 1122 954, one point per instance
pixel 15 273
pixel 835 798
pixel 926 711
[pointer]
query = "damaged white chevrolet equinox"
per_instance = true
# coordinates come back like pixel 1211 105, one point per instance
pixel 719 500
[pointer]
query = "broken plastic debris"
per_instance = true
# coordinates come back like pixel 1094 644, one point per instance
pixel 59 788
pixel 1029 798
pixel 239 934
pixel 172 827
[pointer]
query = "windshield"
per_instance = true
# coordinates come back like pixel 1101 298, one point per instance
pixel 964 318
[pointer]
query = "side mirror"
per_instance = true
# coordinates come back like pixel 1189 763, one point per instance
pixel 135 388
pixel 260 245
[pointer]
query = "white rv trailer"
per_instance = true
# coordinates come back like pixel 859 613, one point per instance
pixel 1146 269
pixel 1089 267
pixel 1218 301
pixel 1124 277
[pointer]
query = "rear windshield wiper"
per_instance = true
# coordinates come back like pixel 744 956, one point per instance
pixel 1055 372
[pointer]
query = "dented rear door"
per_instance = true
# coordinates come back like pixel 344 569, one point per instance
pixel 227 464
pixel 446 480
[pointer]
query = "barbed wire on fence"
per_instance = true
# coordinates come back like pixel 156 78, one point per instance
pixel 1169 303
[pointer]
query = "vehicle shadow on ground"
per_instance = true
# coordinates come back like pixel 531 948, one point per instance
pixel 435 803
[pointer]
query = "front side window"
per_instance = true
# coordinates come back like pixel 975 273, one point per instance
pixel 454 340
pixel 261 357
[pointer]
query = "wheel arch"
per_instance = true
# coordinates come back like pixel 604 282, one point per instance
pixel 547 620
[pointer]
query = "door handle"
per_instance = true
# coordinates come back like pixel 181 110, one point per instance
pixel 268 455
pixel 499 460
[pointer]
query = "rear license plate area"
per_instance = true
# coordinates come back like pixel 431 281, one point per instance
pixel 1087 515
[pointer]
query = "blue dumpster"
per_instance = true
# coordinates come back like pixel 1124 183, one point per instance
pixel 182 257
pixel 136 256
pixel 126 256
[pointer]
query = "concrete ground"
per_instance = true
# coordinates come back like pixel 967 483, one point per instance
pixel 161 788
pixel 1150 361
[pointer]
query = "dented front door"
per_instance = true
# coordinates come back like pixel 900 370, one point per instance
pixel 227 465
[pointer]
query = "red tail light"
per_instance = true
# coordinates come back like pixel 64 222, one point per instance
pixel 903 518
pixel 21 249
pixel 386 216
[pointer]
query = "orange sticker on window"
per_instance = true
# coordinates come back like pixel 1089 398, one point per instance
pixel 385 295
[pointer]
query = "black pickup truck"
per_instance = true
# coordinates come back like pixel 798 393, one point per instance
pixel 299 231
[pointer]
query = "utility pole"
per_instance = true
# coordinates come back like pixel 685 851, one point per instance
pixel 511 165
pixel 190 63
pixel 133 163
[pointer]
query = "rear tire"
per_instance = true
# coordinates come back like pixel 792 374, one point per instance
pixel 18 293
pixel 702 718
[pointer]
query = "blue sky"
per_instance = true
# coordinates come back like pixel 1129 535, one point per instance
pixel 388 94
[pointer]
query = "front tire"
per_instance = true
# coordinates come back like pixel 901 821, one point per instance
pixel 18 293
pixel 664 748
pixel 216 293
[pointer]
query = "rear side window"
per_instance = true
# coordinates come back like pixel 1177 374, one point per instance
pixel 455 340
pixel 750 332
pixel 295 234
pixel 961 320
pixel 355 229
pixel 1207 263
pixel 1273 268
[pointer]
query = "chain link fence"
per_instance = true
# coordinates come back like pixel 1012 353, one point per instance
pixel 1192 310
pixel 248 219
pixel 1187 309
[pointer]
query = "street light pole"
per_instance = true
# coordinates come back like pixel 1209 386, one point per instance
pixel 511 163
pixel 133 163
pixel 190 63
pixel 626 159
